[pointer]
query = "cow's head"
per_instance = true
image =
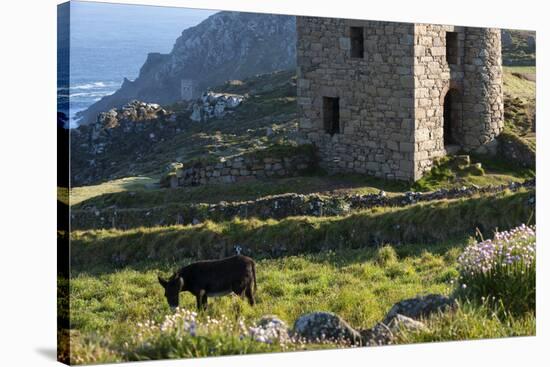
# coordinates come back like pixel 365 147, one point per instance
pixel 172 289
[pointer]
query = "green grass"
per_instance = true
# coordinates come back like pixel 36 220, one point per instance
pixel 128 184
pixel 520 101
pixel 241 191
pixel 519 81
pixel 494 171
pixel 425 223
pixel 469 322
pixel 360 285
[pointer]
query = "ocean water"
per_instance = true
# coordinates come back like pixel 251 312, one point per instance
pixel 109 42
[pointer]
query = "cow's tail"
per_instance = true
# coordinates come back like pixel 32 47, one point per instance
pixel 254 276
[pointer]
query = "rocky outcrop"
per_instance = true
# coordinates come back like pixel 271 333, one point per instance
pixel 133 111
pixel 214 105
pixel 120 137
pixel 325 326
pixel 227 45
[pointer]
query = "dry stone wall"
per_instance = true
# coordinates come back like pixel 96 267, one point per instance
pixel 276 207
pixel 239 169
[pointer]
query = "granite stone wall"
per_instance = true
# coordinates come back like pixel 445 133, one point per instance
pixel 239 169
pixel 432 79
pixel 375 95
pixel 483 100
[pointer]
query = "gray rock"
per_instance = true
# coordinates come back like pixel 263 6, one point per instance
pixel 384 334
pixel 400 322
pixel 420 307
pixel 214 105
pixel 319 326
pixel 274 327
pixel 380 334
pixel 196 114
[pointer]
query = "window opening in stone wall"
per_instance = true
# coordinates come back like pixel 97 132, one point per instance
pixel 451 41
pixel 331 115
pixel 357 42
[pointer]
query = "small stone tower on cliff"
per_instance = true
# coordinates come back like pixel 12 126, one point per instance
pixel 385 98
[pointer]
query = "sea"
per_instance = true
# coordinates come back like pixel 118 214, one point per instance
pixel 110 42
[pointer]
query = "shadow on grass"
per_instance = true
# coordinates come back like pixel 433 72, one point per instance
pixel 428 225
pixel 214 193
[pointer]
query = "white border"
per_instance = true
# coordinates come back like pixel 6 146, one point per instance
pixel 28 151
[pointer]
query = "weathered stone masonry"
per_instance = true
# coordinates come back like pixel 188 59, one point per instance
pixel 239 169
pixel 386 98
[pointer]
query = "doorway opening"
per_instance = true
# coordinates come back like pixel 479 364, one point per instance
pixel 452 120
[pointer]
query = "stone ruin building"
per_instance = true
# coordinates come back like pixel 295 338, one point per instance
pixel 386 98
pixel 187 89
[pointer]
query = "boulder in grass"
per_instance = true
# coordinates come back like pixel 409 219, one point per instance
pixel 420 307
pixel 384 334
pixel 325 326
pixel 404 323
pixel 273 327
pixel 379 334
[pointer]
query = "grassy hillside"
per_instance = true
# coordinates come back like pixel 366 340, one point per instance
pixel 520 101
pixel 356 265
pixel 270 103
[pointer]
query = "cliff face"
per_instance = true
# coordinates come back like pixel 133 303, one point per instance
pixel 227 45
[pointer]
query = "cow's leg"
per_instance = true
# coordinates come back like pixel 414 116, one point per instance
pixel 199 302
pixel 238 289
pixel 202 300
pixel 249 294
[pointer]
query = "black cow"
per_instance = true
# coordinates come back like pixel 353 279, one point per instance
pixel 212 278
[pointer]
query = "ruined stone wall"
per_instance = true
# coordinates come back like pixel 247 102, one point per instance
pixel 375 95
pixel 239 169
